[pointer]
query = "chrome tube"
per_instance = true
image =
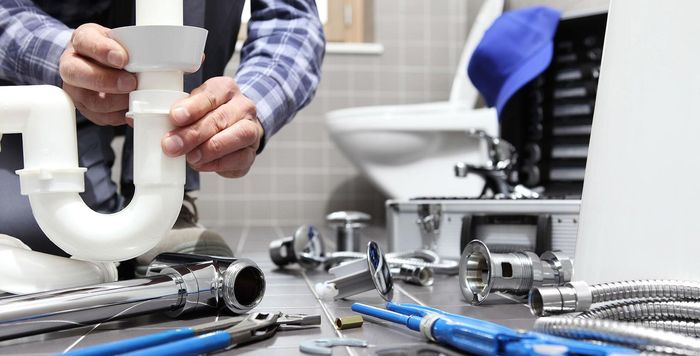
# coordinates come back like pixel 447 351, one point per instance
pixel 75 307
pixel 198 285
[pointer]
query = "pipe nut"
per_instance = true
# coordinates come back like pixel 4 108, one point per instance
pixel 562 263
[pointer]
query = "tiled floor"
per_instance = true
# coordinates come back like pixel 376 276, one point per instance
pixel 291 291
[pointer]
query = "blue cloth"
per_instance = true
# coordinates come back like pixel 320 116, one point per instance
pixel 514 50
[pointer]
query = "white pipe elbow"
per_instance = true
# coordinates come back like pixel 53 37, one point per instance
pixel 88 235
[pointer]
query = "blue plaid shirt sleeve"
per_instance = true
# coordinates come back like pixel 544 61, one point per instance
pixel 281 59
pixel 31 43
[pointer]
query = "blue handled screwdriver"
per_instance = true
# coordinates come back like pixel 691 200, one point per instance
pixel 482 337
pixel 210 336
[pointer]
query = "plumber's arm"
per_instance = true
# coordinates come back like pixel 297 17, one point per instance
pixel 31 43
pixel 281 59
pixel 224 123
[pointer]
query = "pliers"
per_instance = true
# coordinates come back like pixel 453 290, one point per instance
pixel 203 338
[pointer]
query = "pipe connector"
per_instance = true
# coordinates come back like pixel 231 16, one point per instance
pixel 482 272
pixel 569 298
pixel 420 276
pixel 305 247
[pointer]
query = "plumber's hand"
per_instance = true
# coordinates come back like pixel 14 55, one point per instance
pixel 217 129
pixel 92 71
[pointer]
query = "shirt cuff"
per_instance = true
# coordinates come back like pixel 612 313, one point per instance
pixel 268 98
pixel 41 61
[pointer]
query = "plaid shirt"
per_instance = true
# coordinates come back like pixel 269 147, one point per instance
pixel 280 61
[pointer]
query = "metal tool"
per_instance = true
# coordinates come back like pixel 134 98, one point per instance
pixel 252 328
pixel 482 272
pixel 165 337
pixel 482 337
pixel 323 346
pixel 197 283
pixel 371 272
pixel 305 247
pixel 347 225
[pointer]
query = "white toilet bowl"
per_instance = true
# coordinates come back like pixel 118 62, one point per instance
pixel 410 151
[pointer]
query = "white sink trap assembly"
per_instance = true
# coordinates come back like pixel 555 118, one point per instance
pixel 160 50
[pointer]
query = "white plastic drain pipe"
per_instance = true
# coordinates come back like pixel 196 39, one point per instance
pixel 25 271
pixel 45 116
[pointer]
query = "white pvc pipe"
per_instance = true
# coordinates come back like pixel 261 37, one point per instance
pixel 25 271
pixel 159 12
pixel 52 178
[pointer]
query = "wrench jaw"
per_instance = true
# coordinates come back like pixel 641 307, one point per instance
pixel 324 346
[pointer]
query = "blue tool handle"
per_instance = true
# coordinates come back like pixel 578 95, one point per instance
pixel 206 343
pixel 534 343
pixel 137 343
pixel 411 321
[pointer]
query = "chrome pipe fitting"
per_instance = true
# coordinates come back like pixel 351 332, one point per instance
pixel 176 284
pixel 371 272
pixel 578 296
pixel 420 276
pixel 347 225
pixel 305 247
pixel 482 272
pixel 569 298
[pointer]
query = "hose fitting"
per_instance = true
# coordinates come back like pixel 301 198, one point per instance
pixel 482 272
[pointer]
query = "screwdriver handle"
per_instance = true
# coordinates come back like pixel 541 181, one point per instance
pixel 136 343
pixel 202 344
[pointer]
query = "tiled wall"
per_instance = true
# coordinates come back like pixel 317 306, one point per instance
pixel 301 176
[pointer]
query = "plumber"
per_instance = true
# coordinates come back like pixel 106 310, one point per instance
pixel 220 127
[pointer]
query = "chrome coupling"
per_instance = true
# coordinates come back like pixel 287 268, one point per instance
pixel 420 276
pixel 482 272
pixel 570 298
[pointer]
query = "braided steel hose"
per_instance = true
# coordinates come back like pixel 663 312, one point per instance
pixel 618 333
pixel 578 296
pixel 678 290
pixel 645 310
pixel 688 328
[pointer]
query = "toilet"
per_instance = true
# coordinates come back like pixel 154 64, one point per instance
pixel 409 151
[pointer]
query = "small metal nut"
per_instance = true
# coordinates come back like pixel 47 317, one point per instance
pixel 348 322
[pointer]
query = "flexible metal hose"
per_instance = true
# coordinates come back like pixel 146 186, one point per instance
pixel 678 290
pixel 578 296
pixel 646 310
pixel 616 332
